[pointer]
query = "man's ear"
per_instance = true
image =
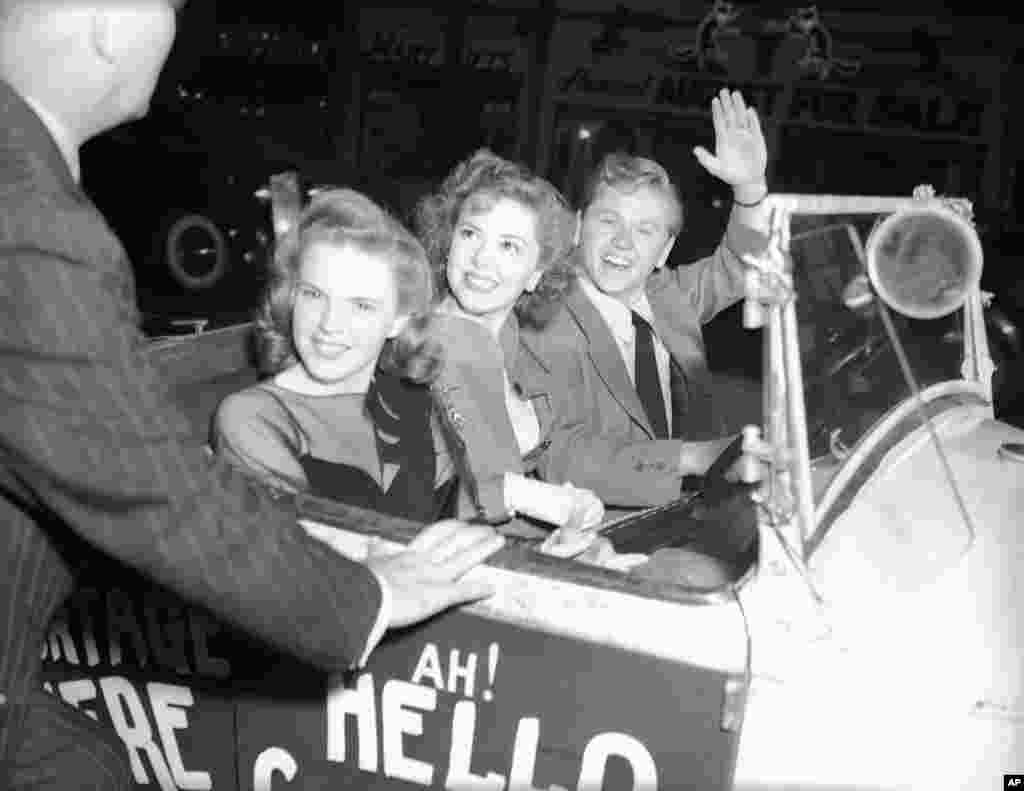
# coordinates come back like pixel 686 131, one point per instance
pixel 669 244
pixel 398 325
pixel 102 34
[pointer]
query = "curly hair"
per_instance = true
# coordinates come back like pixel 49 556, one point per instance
pixel 481 180
pixel 345 217
pixel 627 173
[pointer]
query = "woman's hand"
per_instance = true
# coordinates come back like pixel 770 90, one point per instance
pixel 586 509
pixel 551 503
pixel 578 537
pixel 578 531
pixel 575 513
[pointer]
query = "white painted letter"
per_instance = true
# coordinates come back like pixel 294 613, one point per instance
pixel 429 664
pixel 604 745
pixel 524 756
pixel 460 772
pixel 202 626
pixel 466 672
pixel 83 599
pixel 166 638
pixel 168 701
pixel 74 692
pixel 130 722
pixel 271 760
pixel 397 720
pixel 121 620
pixel 60 640
pixel 344 701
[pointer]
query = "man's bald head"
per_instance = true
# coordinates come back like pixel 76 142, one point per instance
pixel 26 15
pixel 35 32
pixel 7 7
pixel 92 63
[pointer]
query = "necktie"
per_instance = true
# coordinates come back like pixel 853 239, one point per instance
pixel 648 383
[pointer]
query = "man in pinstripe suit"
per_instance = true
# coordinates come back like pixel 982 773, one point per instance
pixel 93 458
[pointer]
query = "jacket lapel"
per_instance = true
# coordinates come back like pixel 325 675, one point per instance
pixel 528 373
pixel 605 355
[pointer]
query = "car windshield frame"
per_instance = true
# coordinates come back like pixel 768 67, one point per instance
pixel 791 493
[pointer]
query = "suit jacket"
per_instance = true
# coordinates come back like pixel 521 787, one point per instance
pixel 471 392
pixel 94 456
pixel 603 440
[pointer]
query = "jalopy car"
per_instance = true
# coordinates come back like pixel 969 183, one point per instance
pixel 866 636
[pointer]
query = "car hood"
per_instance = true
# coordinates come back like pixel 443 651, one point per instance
pixel 915 654
pixel 908 519
pixel 903 568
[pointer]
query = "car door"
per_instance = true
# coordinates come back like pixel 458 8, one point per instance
pixel 568 677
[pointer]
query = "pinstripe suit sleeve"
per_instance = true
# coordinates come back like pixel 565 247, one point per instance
pixel 86 427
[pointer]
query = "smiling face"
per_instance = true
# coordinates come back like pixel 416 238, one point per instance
pixel 345 308
pixel 624 237
pixel 494 257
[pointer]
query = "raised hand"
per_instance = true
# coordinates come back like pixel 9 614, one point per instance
pixel 741 155
pixel 427 575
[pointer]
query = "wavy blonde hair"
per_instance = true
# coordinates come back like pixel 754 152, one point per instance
pixel 628 173
pixel 344 217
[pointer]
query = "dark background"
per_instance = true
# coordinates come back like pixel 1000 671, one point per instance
pixel 251 90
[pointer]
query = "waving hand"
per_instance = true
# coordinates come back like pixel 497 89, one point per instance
pixel 741 155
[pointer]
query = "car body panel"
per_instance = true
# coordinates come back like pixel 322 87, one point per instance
pixel 902 681
pixel 885 652
pixel 573 679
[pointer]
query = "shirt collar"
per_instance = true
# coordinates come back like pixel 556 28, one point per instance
pixel 60 135
pixel 617 315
